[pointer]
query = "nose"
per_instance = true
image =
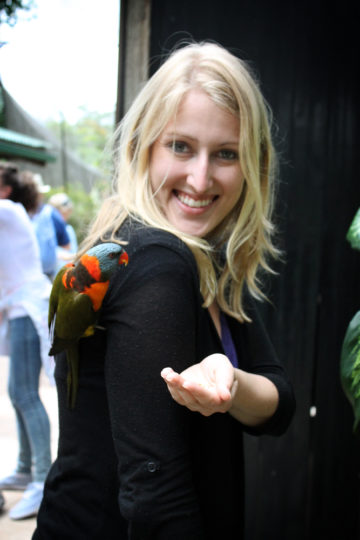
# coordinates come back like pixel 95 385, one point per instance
pixel 199 177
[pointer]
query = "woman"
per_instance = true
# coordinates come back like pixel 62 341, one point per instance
pixel 24 295
pixel 193 202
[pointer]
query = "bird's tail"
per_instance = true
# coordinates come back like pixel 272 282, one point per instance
pixel 72 380
pixel 51 334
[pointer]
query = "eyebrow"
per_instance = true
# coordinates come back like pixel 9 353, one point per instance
pixel 176 134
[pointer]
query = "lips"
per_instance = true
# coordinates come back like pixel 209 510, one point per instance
pixel 194 203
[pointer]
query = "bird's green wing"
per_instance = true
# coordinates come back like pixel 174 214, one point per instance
pixel 350 367
pixel 74 316
pixel 54 296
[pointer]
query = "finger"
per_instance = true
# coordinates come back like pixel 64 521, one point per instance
pixel 201 388
pixel 187 399
pixel 184 398
pixel 176 395
pixel 166 372
pixel 171 377
pixel 234 389
pixel 175 385
pixel 224 384
pixel 223 392
pixel 205 395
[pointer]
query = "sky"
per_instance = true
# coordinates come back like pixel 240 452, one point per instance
pixel 64 57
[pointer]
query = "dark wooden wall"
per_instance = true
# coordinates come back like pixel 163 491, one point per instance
pixel 304 485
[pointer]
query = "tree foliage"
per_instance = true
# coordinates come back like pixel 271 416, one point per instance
pixel 88 138
pixel 9 10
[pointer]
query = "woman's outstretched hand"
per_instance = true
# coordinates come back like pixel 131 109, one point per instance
pixel 207 387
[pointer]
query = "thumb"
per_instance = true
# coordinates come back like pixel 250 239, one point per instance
pixel 224 387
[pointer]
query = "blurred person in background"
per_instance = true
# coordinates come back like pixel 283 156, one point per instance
pixel 63 203
pixel 24 297
pixel 50 226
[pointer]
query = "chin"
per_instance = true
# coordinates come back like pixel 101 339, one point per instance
pixel 192 231
pixel 199 230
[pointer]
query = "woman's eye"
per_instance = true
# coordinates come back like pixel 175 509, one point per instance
pixel 229 155
pixel 179 147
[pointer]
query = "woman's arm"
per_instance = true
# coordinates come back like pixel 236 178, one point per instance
pixel 150 317
pixel 214 385
pixel 256 396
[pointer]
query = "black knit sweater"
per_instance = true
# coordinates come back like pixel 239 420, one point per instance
pixel 133 464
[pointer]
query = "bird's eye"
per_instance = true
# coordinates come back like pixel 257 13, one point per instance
pixel 112 255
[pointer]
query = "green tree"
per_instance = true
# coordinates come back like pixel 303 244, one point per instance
pixel 9 10
pixel 88 137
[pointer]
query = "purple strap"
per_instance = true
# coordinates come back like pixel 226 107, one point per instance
pixel 227 342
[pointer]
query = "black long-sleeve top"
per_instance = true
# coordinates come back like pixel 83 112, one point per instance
pixel 133 464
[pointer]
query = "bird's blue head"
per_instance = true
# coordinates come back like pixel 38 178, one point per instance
pixel 102 260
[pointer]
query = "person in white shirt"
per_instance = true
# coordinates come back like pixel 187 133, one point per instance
pixel 24 296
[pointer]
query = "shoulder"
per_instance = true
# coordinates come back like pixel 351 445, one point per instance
pixel 55 216
pixel 6 204
pixel 43 216
pixel 156 247
pixel 10 207
pixel 11 211
pixel 157 260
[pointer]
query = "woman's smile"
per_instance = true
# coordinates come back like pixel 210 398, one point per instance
pixel 194 203
pixel 194 166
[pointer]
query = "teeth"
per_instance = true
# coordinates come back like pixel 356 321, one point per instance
pixel 192 202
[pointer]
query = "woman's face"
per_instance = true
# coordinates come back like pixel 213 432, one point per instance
pixel 194 166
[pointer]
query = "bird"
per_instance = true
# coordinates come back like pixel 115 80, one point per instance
pixel 75 303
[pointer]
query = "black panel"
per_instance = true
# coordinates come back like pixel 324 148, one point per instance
pixel 304 485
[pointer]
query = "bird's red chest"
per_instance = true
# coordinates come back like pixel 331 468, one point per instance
pixel 96 293
pixel 85 279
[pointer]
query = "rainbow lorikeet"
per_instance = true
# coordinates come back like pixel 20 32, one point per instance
pixel 75 301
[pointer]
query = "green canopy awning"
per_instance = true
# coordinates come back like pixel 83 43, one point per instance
pixel 13 144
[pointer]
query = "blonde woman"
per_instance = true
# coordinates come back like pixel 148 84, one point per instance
pixel 181 364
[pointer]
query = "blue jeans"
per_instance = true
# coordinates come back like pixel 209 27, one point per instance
pixel 32 421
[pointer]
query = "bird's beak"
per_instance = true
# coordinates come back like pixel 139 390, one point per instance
pixel 124 258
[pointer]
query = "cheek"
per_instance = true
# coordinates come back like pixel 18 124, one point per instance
pixel 154 174
pixel 163 174
pixel 238 191
pixel 233 195
pixel 233 185
pixel 156 181
pixel 157 167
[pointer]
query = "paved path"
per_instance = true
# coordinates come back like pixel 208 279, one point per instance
pixel 19 530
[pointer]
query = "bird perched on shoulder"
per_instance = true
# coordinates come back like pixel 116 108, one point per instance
pixel 75 301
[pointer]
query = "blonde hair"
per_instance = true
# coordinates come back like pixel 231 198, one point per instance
pixel 246 232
